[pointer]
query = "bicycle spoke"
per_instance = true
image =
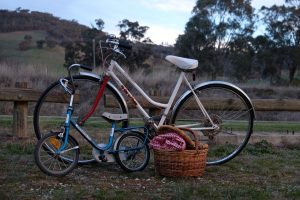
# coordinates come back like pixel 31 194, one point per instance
pixel 52 163
pixel 137 155
pixel 49 159
pixel 229 109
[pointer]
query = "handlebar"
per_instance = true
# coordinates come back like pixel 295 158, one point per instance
pixel 118 45
pixel 115 45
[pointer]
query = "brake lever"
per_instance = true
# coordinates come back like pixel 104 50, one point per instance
pixel 64 83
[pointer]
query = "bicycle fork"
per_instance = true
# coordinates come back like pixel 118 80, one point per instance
pixel 66 131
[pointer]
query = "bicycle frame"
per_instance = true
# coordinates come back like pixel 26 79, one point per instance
pixel 111 137
pixel 110 73
pixel 69 121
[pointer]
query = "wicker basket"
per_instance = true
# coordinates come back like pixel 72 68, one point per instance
pixel 190 162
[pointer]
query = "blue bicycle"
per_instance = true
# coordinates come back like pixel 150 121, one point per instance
pixel 57 153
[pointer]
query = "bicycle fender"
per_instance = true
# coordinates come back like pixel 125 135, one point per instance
pixel 200 85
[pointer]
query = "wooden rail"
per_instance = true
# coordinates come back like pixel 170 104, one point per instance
pixel 21 95
pixel 259 104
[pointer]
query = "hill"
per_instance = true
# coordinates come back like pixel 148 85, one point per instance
pixel 16 25
pixel 10 53
pixel 39 26
pixel 25 20
pixel 41 39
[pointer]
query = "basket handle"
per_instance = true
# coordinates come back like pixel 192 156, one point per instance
pixel 197 143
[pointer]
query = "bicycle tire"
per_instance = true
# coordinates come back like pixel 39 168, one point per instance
pixel 49 116
pixel 234 115
pixel 132 160
pixel 55 164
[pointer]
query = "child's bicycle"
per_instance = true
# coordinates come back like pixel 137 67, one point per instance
pixel 57 153
pixel 220 111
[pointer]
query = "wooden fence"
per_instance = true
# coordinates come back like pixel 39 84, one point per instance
pixel 21 96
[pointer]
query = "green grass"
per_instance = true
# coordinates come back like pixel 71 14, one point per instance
pixel 271 174
pixel 96 122
pixel 276 126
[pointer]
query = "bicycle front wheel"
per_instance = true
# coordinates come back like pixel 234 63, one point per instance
pixel 49 161
pixel 229 108
pixel 50 112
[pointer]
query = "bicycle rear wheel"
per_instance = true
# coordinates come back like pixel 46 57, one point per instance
pixel 133 152
pixel 49 161
pixel 50 112
pixel 229 108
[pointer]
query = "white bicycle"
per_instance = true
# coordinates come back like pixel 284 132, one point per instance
pixel 220 111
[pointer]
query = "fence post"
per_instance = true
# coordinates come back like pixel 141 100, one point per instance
pixel 20 114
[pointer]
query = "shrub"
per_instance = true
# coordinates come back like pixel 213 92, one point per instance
pixel 24 45
pixel 51 43
pixel 40 44
pixel 27 37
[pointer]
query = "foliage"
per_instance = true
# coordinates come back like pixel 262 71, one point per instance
pixel 137 56
pixel 220 35
pixel 131 30
pixel 24 45
pixel 40 44
pixel 82 51
pixel 51 43
pixel 283 29
pixel 100 24
pixel 214 26
pixel 27 37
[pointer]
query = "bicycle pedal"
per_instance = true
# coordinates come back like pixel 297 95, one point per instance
pixel 103 156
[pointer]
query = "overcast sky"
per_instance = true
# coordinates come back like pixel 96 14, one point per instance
pixel 166 18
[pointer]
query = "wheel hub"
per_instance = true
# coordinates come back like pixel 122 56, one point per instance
pixel 218 126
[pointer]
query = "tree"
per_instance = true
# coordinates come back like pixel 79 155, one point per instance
pixel 283 28
pixel 24 45
pixel 100 24
pixel 147 40
pixel 40 44
pixel 131 30
pixel 27 37
pixel 51 42
pixel 212 28
pixel 82 51
pixel 137 56
pixel 72 53
pixel 87 46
